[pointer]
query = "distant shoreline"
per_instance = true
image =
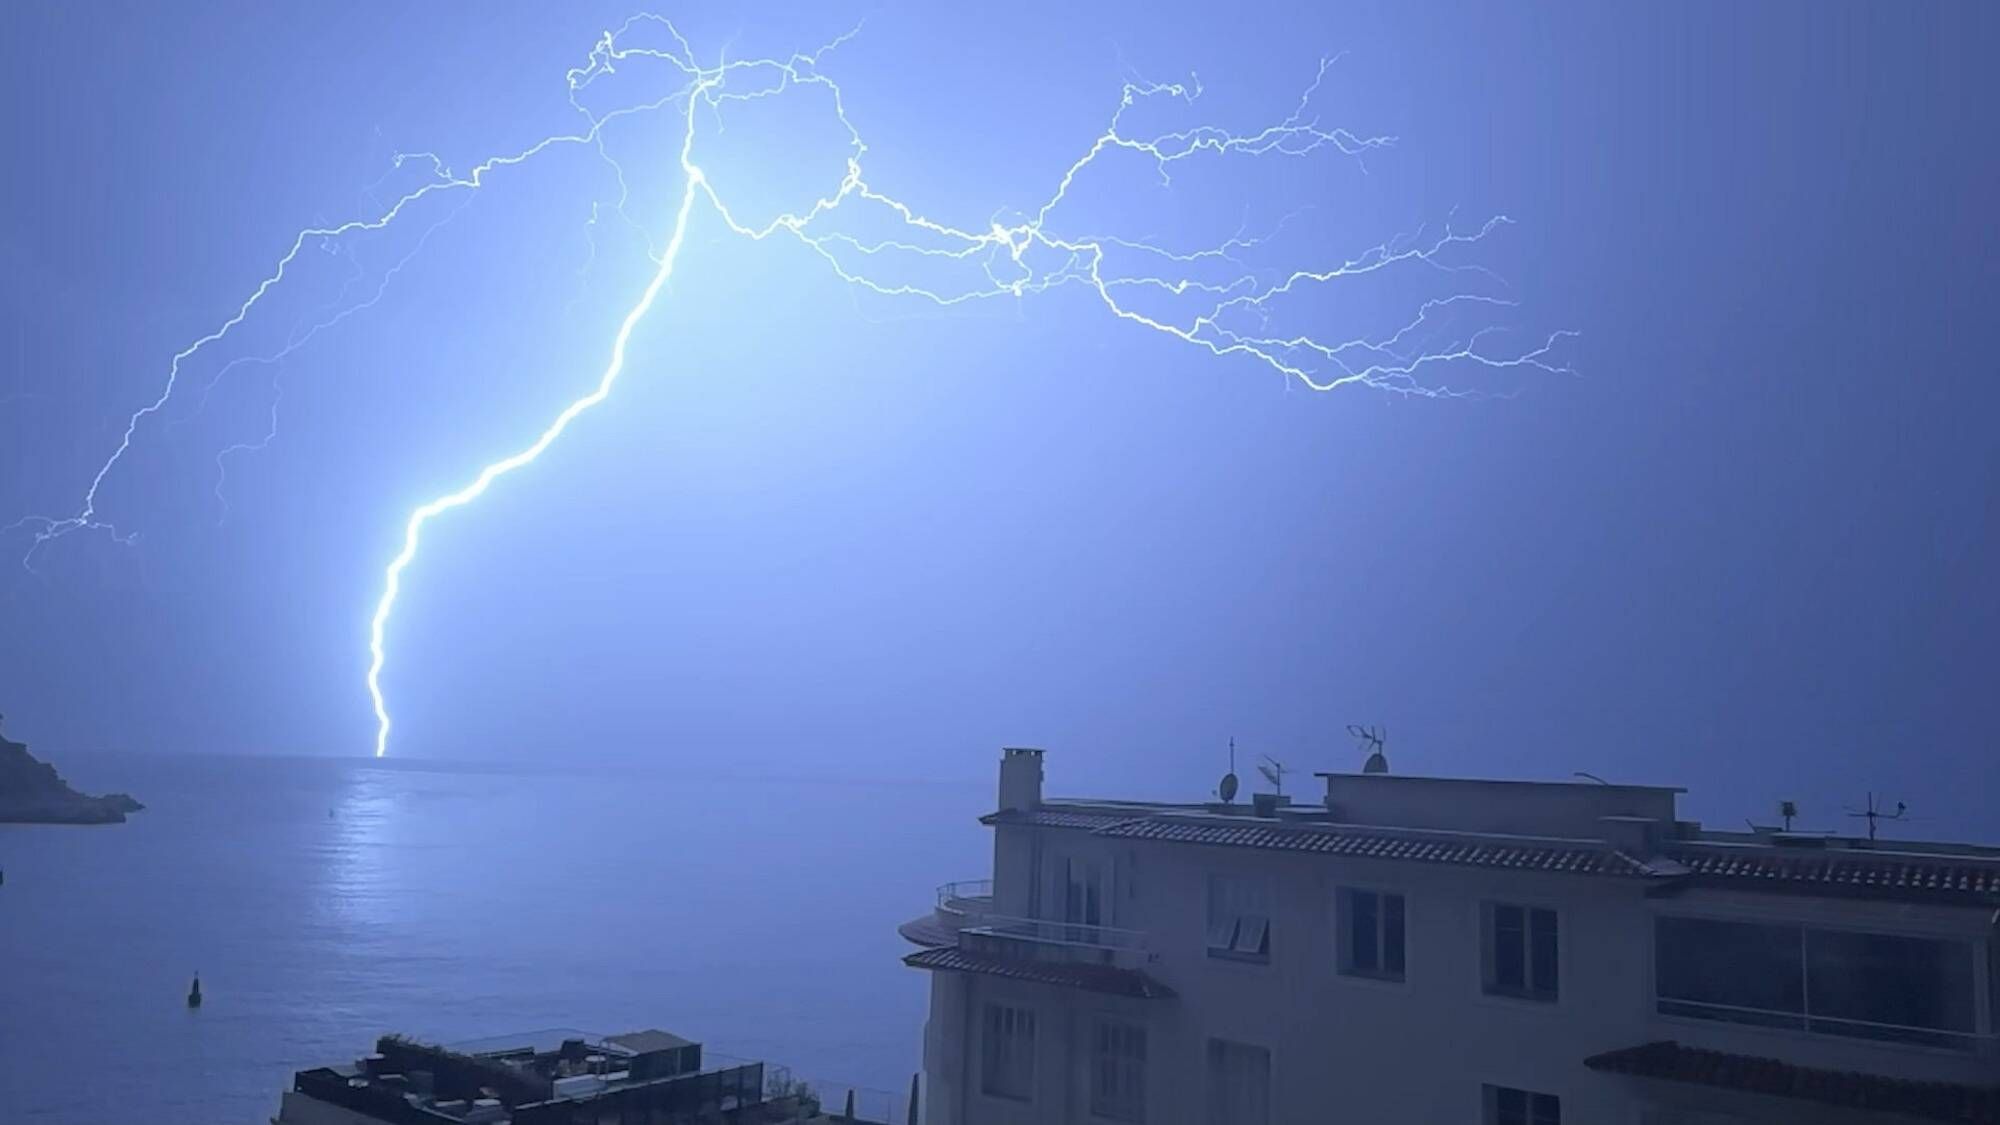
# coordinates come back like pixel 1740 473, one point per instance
pixel 32 792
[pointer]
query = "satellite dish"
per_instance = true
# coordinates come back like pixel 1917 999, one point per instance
pixel 1227 790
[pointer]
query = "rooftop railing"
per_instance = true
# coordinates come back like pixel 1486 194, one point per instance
pixel 956 897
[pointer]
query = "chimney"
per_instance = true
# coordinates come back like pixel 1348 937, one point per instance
pixel 1020 778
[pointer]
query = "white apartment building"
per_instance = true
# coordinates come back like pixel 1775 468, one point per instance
pixel 1454 951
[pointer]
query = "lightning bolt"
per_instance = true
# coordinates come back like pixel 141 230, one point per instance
pixel 1210 298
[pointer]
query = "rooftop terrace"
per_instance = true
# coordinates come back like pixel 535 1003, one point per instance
pixel 562 1075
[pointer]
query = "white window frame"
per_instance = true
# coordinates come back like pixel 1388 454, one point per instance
pixel 1985 982
pixel 1226 1110
pixel 1343 952
pixel 1124 1098
pixel 1010 1058
pixel 1239 918
pixel 1489 953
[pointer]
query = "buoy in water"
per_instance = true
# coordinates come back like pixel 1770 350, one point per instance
pixel 194 993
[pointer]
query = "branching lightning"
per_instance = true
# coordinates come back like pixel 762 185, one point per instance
pixel 1205 297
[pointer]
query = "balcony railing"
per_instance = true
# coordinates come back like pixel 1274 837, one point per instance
pixel 1813 1023
pixel 965 909
pixel 1045 931
pixel 964 896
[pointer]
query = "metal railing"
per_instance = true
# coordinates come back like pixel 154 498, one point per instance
pixel 971 901
pixel 871 1106
pixel 1045 931
pixel 953 896
pixel 1815 1024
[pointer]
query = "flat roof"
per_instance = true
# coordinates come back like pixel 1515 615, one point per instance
pixel 1407 778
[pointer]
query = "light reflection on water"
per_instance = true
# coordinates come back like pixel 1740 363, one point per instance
pixel 325 902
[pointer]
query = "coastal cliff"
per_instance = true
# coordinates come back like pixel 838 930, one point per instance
pixel 31 792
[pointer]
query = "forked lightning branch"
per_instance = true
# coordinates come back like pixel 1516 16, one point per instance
pixel 1205 297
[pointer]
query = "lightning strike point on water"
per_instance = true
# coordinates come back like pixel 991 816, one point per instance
pixel 1205 297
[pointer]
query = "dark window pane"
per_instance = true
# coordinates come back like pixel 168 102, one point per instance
pixel 1544 1109
pixel 1542 977
pixel 1509 948
pixel 1118 1089
pixel 1510 1107
pixel 1239 1084
pixel 1392 934
pixel 1739 972
pixel 1364 931
pixel 1007 1052
pixel 1857 980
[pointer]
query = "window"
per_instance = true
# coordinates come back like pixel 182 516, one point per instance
pixel 1884 986
pixel 1239 919
pixel 1370 927
pixel 1508 1106
pixel 1520 952
pixel 1239 1084
pixel 1833 982
pixel 1737 972
pixel 1118 1071
pixel 1083 898
pixel 1007 1053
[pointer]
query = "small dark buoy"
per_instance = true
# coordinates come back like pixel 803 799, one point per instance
pixel 194 993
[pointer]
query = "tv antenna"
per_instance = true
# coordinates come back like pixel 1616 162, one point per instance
pixel 1874 814
pixel 1274 772
pixel 1372 739
pixel 1789 810
pixel 1227 789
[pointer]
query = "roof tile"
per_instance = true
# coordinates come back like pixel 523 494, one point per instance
pixel 1094 978
pixel 1931 1101
pixel 1579 858
pixel 1946 876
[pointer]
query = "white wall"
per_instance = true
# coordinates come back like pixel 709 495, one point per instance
pixel 1361 1050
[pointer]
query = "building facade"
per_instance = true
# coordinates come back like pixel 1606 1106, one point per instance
pixel 1454 951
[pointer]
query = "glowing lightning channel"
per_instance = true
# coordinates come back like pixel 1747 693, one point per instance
pixel 413 531
pixel 51 528
pixel 1232 303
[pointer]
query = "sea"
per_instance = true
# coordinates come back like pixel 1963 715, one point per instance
pixel 325 902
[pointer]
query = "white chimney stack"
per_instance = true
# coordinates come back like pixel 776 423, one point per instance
pixel 1020 778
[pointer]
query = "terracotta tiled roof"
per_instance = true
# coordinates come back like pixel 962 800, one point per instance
pixel 1580 857
pixel 1948 878
pixel 1897 876
pixel 1059 817
pixel 1094 978
pixel 1931 1101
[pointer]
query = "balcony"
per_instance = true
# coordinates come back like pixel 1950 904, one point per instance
pixel 967 897
pixel 963 933
pixel 963 915
pixel 1044 940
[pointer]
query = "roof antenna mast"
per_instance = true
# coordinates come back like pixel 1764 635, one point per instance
pixel 1372 739
pixel 1874 814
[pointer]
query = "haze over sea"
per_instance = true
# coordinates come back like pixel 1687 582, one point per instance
pixel 326 901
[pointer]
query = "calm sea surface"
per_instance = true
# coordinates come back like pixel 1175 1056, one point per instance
pixel 327 901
